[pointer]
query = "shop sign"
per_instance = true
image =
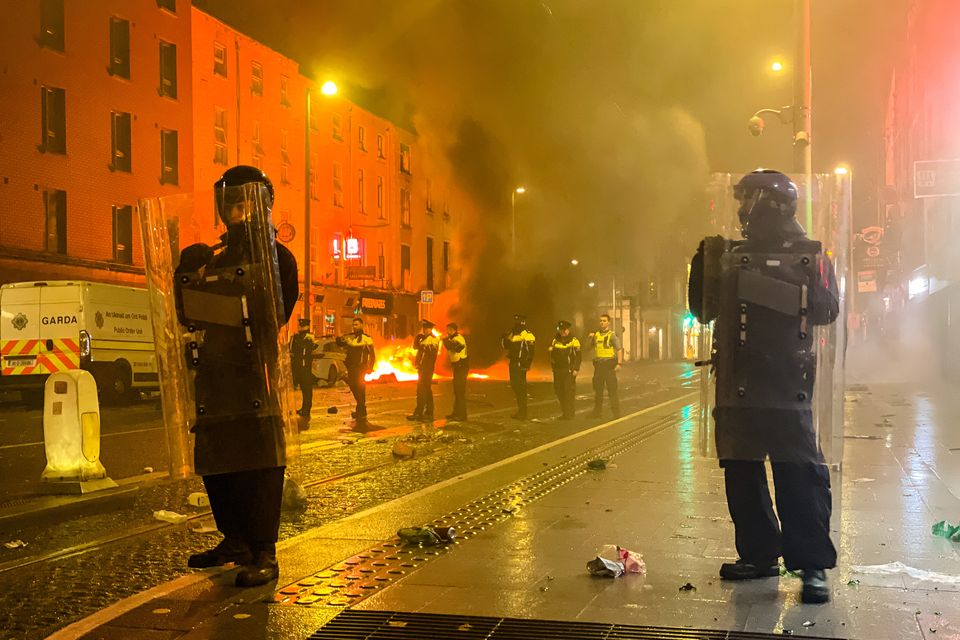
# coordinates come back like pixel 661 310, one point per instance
pixel 286 232
pixel 426 296
pixel 933 178
pixel 376 304
pixel 358 272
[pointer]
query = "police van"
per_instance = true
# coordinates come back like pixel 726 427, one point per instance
pixel 53 326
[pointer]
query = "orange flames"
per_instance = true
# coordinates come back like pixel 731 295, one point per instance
pixel 398 366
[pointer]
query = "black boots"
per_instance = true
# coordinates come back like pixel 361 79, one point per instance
pixel 815 589
pixel 742 570
pixel 229 550
pixel 262 570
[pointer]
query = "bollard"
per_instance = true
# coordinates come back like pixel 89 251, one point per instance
pixel 71 434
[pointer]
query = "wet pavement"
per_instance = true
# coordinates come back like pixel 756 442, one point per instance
pixel 97 560
pixel 657 496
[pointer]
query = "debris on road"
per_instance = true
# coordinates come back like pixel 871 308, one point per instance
pixel 170 516
pixel 613 561
pixel 688 587
pixel 597 465
pixel 148 469
pixel 198 499
pixel 809 623
pixel 426 536
pixel 944 529
pixel 332 410
pixel 605 568
pixel 403 451
pixel 15 544
pixel 294 497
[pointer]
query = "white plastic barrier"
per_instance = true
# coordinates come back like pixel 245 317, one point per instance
pixel 71 433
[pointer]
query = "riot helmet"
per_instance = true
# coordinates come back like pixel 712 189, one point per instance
pixel 768 204
pixel 226 198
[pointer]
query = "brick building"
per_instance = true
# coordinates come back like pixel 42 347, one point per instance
pixel 155 97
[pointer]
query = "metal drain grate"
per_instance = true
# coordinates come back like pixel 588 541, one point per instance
pixel 348 582
pixel 393 625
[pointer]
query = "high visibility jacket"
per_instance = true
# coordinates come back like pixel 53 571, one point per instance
pixel 605 345
pixel 456 347
pixel 427 346
pixel 519 348
pixel 565 353
pixel 360 354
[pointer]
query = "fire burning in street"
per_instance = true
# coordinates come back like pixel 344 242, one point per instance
pixel 400 366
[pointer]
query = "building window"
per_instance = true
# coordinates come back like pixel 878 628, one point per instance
pixel 168 70
pixel 284 157
pixel 381 262
pixel 120 47
pixel 405 159
pixel 380 211
pixel 219 60
pixel 380 150
pixel 53 120
pixel 429 197
pixel 445 258
pixel 405 207
pixel 446 210
pixel 55 217
pixel 361 139
pixel 429 263
pixel 314 182
pixel 169 158
pixel 404 265
pixel 284 99
pixel 220 136
pixel 51 24
pixel 120 142
pixel 256 139
pixel 123 234
pixel 337 127
pixel 169 5
pixel 361 197
pixel 256 79
pixel 337 184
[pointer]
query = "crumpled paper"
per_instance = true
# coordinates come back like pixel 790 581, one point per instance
pixel 613 561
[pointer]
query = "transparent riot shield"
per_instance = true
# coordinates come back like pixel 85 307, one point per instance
pixel 826 218
pixel 217 312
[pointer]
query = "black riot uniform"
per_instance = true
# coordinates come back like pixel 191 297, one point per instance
pixel 519 345
pixel 565 359
pixel 241 457
pixel 456 347
pixel 427 347
pixel 302 346
pixel 766 294
pixel 359 362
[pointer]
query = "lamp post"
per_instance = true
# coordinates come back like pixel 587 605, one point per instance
pixel 513 221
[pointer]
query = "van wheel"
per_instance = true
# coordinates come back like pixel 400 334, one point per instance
pixel 116 386
pixel 332 376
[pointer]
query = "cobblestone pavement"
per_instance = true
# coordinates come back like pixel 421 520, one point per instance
pixel 87 574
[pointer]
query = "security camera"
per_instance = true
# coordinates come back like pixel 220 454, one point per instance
pixel 801 138
pixel 756 124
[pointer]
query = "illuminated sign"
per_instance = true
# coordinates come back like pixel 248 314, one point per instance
pixel 376 304
pixel 353 248
pixel 933 178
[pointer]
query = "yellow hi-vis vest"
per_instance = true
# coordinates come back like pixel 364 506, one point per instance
pixel 603 345
pixel 457 356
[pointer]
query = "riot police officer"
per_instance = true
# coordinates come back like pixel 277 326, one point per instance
pixel 302 346
pixel 519 345
pixel 565 357
pixel 239 451
pixel 359 362
pixel 427 347
pixel 607 358
pixel 766 293
pixel 456 347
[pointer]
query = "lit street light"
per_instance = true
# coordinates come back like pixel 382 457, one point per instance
pixel 591 284
pixel 776 66
pixel 574 262
pixel 329 88
pixel 513 220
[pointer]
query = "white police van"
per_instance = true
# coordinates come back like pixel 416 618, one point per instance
pixel 53 326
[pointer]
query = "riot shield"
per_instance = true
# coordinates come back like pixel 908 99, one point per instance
pixel 827 220
pixel 217 313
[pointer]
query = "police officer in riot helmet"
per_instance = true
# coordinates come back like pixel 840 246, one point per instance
pixel 241 457
pixel 766 293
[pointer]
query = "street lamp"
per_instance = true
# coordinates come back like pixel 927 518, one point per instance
pixel 329 88
pixel 574 262
pixel 513 220
pixel 776 66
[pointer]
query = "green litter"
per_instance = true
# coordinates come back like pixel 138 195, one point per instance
pixel 944 529
pixel 853 583
pixel 786 572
